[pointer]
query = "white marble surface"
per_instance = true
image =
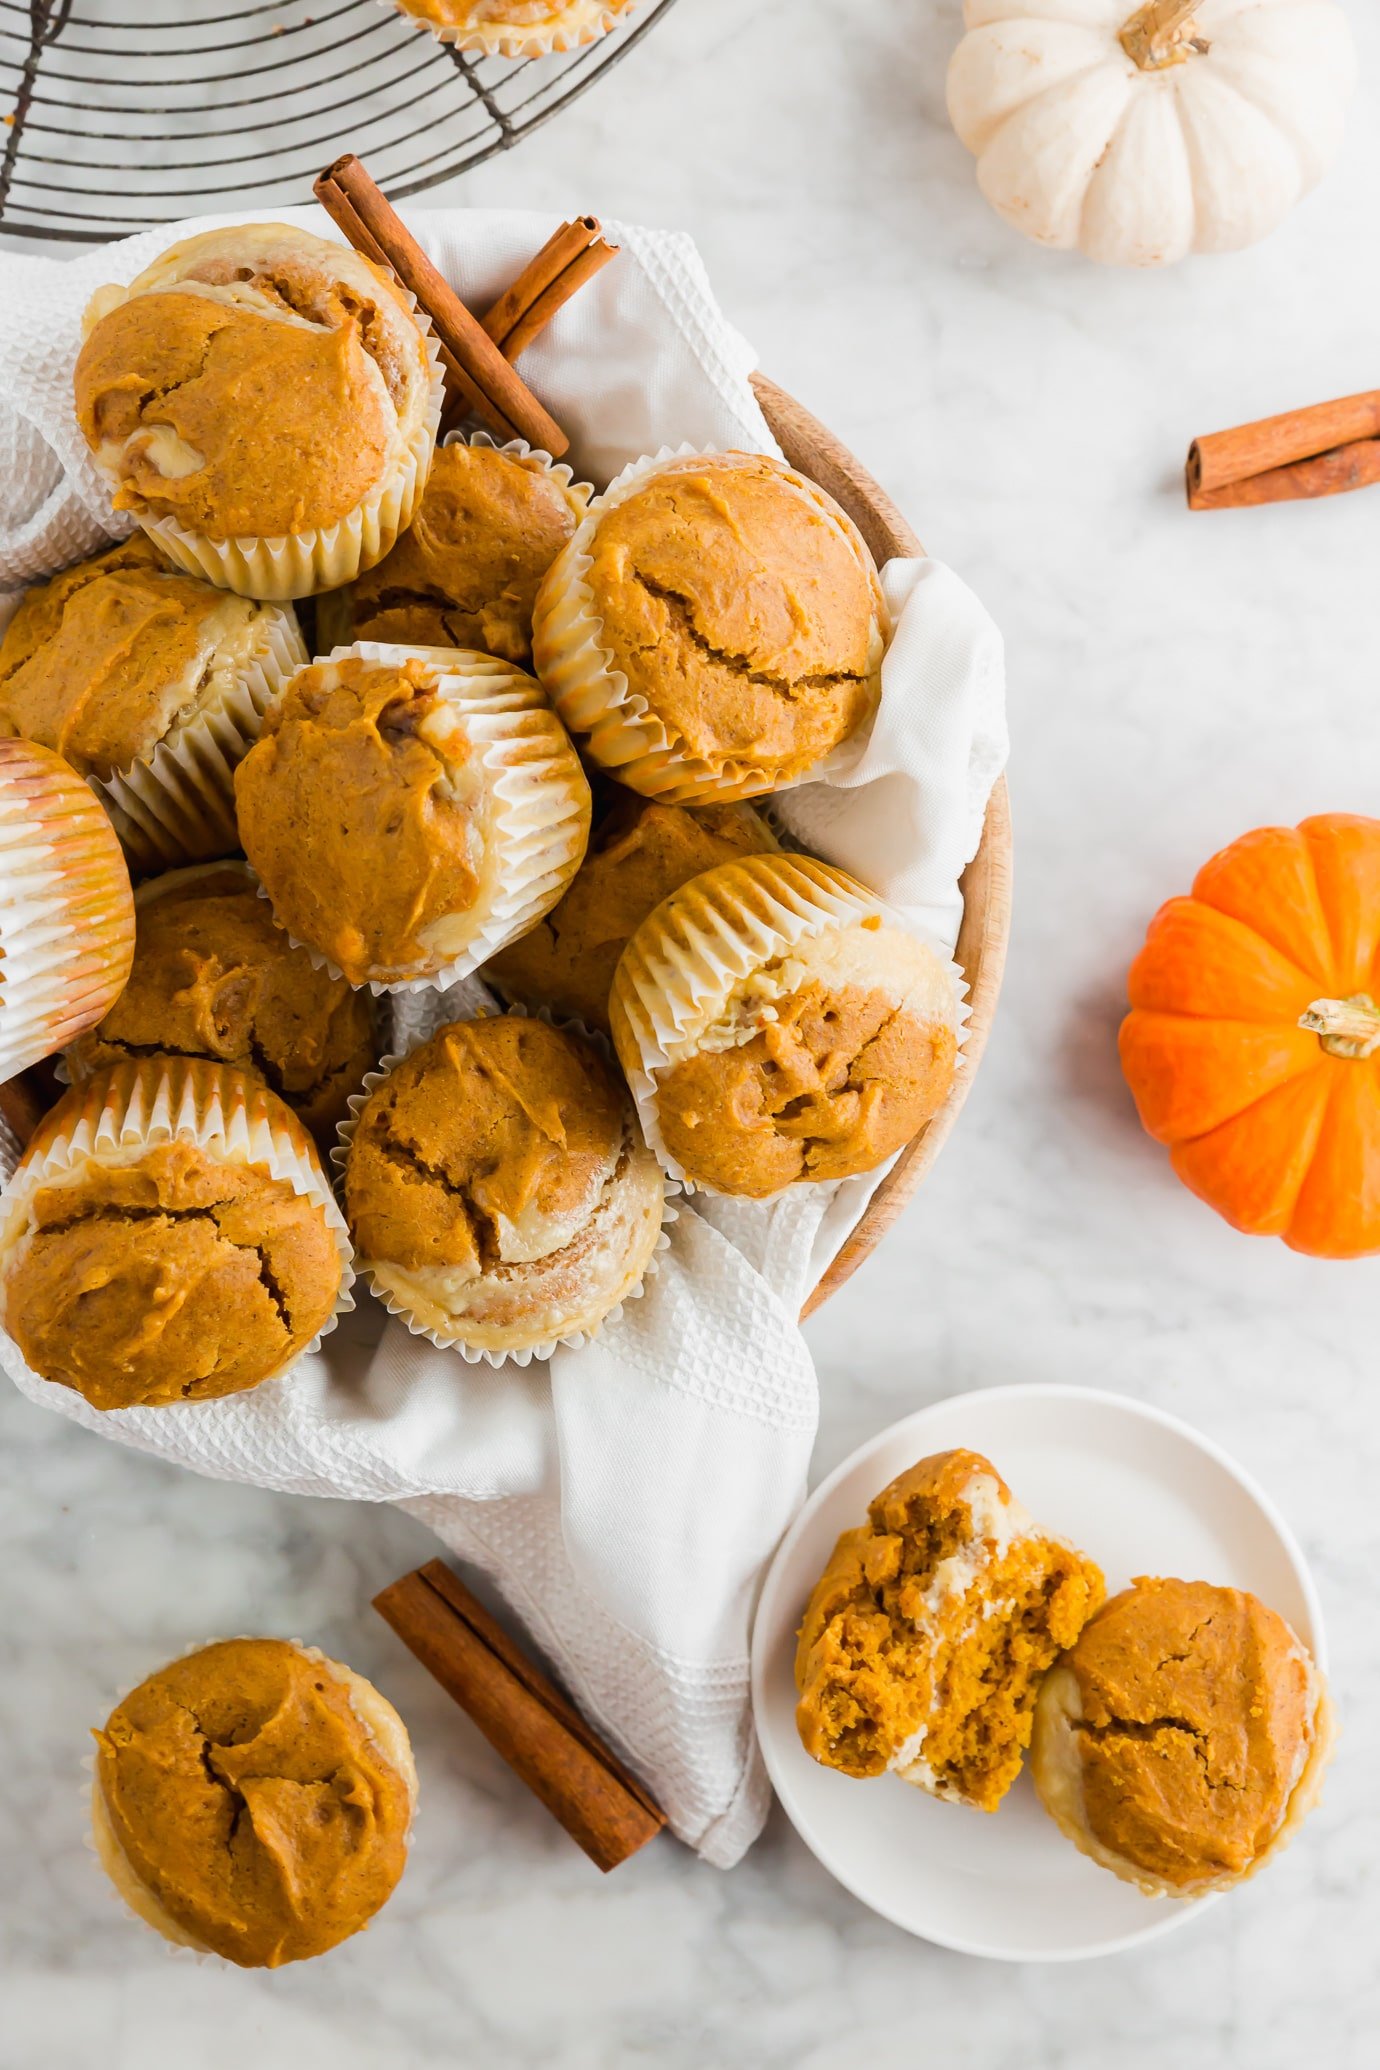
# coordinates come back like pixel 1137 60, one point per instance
pixel 1173 681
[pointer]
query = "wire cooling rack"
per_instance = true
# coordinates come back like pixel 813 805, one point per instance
pixel 120 116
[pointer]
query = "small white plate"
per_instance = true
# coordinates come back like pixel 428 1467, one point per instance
pixel 1141 1493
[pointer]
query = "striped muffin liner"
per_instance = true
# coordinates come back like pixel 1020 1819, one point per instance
pixel 178 805
pixel 687 957
pixel 539 803
pixel 122 1882
pixel 576 24
pixel 129 1108
pixel 454 1341
pixel 66 910
pixel 616 725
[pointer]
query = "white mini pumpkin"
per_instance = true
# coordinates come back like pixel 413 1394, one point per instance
pixel 1140 132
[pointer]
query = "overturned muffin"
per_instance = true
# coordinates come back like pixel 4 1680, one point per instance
pixel 168 1236
pixel 410 811
pixel 213 977
pixel 778 1027
pixel 254 1800
pixel 639 854
pixel 1183 1740
pixel 926 1639
pixel 152 685
pixel 466 571
pixel 715 628
pixel 498 1190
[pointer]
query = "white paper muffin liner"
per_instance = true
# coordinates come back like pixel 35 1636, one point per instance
pixel 617 727
pixel 381 1721
pixel 580 22
pixel 132 1107
pixel 179 803
pixel 661 988
pixel 475 1355
pixel 297 564
pixel 538 823
pixel 66 911
pixel 335 609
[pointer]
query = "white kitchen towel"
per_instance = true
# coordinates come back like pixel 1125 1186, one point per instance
pixel 624 1497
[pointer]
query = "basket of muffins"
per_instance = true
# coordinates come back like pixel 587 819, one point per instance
pixel 355 718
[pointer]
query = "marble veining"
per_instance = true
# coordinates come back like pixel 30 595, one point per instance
pixel 1174 680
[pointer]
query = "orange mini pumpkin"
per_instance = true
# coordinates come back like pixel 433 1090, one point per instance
pixel 1253 1042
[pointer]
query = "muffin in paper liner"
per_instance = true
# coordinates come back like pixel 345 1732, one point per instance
pixel 534 28
pixel 537 810
pixel 179 805
pixel 336 614
pixel 481 1354
pixel 66 909
pixel 615 725
pixel 676 979
pixel 299 562
pixel 127 1110
pixel 126 1888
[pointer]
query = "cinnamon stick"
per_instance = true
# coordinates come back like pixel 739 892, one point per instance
pixel 522 1714
pixel 473 365
pixel 1321 451
pixel 571 256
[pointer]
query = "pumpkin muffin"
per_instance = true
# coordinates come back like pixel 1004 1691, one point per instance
pixel 777 1027
pixel 516 28
pixel 168 1236
pixel 498 1190
pixel 214 977
pixel 926 1639
pixel 466 572
pixel 265 403
pixel 408 811
pixel 1183 1740
pixel 254 1800
pixel 66 909
pixel 715 629
pixel 152 685
pixel 640 853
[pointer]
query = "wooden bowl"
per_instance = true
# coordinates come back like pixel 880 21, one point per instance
pixel 986 883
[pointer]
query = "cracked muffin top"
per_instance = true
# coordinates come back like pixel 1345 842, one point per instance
pixel 213 976
pixel 118 653
pixel 254 381
pixel 170 1274
pixel 740 603
pixel 640 853
pixel 363 809
pixel 490 1145
pixel 466 572
pixel 1176 1733
pixel 256 1798
pixel 923 1645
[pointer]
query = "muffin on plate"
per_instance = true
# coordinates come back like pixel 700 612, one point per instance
pixel 254 1800
pixel 169 1236
pixel 466 571
pixel 214 977
pixel 1183 1740
pixel 928 1634
pixel 66 909
pixel 516 28
pixel 498 1190
pixel 409 810
pixel 715 628
pixel 639 853
pixel 265 403
pixel 152 685
pixel 779 1027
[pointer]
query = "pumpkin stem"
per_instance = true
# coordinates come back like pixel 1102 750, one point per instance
pixel 1163 32
pixel 1345 1027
